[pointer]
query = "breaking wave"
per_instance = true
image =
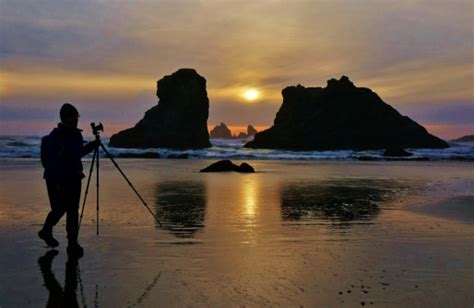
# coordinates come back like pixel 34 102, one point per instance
pixel 29 147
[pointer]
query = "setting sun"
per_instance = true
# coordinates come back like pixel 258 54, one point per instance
pixel 251 94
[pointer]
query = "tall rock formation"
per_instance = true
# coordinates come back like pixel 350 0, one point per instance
pixel 340 116
pixel 221 131
pixel 178 121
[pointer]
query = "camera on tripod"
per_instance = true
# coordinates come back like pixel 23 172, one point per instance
pixel 96 129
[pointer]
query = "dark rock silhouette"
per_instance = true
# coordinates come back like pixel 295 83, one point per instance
pixel 244 167
pixel 221 131
pixel 251 131
pixel 178 156
pixel 227 165
pixel 139 155
pixel 467 138
pixel 178 121
pixel 340 116
pixel 396 152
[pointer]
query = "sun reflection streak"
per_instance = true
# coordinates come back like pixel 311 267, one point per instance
pixel 250 199
pixel 250 210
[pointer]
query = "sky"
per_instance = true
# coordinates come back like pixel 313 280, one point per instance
pixel 105 57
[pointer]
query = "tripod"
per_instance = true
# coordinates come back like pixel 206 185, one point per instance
pixel 95 161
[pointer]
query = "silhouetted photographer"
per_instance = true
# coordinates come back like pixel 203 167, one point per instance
pixel 61 153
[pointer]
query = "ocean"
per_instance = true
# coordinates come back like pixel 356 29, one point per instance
pixel 29 147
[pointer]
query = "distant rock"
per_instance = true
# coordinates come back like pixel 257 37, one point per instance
pixel 338 117
pixel 251 131
pixel 178 121
pixel 396 152
pixel 241 135
pixel 139 155
pixel 227 165
pixel 221 131
pixel 467 138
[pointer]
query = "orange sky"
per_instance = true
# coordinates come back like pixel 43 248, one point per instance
pixel 105 57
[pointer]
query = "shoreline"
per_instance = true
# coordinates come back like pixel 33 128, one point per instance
pixel 296 233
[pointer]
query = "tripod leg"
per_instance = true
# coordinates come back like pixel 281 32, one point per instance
pixel 130 184
pixel 87 187
pixel 97 185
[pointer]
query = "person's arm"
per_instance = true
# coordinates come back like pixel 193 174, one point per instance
pixel 89 147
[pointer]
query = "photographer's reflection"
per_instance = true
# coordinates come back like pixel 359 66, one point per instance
pixel 59 297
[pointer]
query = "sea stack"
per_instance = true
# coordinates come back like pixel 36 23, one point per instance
pixel 178 121
pixel 221 131
pixel 340 116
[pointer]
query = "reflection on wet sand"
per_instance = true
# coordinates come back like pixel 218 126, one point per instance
pixel 181 206
pixel 59 297
pixel 342 201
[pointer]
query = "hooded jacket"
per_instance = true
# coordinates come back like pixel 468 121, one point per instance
pixel 64 150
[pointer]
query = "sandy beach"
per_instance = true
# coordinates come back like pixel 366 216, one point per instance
pixel 296 233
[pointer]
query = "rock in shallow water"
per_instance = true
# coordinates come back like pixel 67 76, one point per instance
pixel 227 165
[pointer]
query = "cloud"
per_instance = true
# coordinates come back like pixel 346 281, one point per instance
pixel 110 53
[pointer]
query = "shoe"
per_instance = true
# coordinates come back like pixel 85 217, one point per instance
pixel 75 250
pixel 48 238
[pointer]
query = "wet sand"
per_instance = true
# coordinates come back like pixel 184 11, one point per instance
pixel 296 233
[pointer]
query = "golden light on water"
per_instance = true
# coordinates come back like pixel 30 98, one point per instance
pixel 250 199
pixel 251 94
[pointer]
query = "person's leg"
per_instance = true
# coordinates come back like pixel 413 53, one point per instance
pixel 55 194
pixel 72 221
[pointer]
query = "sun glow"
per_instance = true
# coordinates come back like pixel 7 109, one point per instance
pixel 251 94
